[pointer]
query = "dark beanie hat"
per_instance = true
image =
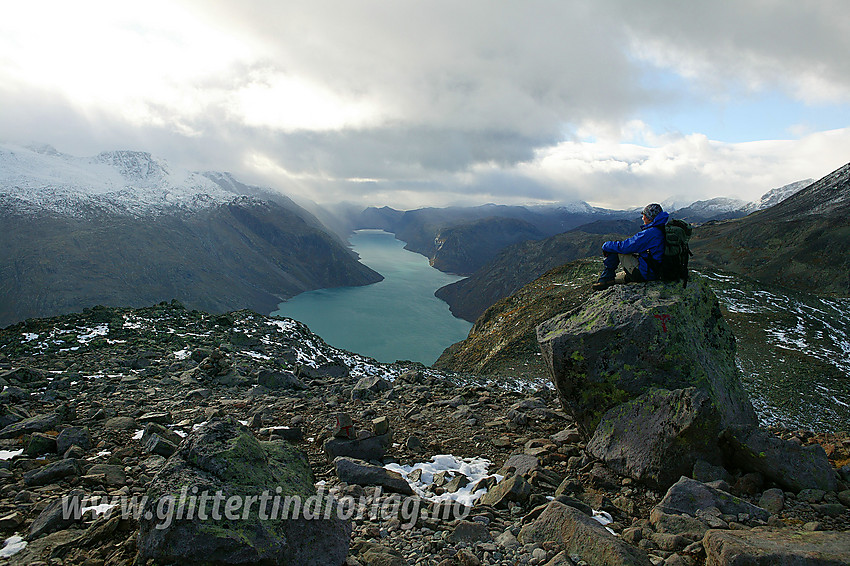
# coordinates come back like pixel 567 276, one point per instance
pixel 651 211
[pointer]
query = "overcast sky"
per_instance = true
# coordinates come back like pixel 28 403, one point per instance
pixel 614 102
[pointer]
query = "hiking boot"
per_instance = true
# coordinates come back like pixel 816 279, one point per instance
pixel 602 284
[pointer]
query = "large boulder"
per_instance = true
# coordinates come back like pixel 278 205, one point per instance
pixel 792 466
pixel 353 471
pixel 631 338
pixel 226 498
pixel 768 547
pixel 658 437
pixel 581 535
pixel 694 507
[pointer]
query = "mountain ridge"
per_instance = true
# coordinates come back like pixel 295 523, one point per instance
pixel 125 229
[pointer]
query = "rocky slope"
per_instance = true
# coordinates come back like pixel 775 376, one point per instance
pixel 93 403
pixel 124 229
pixel 799 243
pixel 792 346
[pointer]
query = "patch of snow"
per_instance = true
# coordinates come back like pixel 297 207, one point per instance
pixel 475 469
pixel 9 454
pixel 12 546
pixel 101 330
pixel 138 435
pixel 98 509
pixel 256 355
pixel 182 354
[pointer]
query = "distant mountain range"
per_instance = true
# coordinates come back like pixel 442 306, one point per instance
pixel 723 208
pixel 125 229
pixel 800 243
pixel 519 264
pixel 462 240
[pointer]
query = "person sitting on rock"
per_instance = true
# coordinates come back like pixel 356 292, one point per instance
pixel 633 252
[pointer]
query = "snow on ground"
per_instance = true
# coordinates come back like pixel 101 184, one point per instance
pixel 12 546
pixel 475 469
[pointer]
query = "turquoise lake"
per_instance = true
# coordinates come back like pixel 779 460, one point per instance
pixel 398 318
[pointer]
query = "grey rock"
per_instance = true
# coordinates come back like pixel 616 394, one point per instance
pixel 375 554
pixel 358 472
pixel 163 418
pixel 114 474
pixel 344 426
pixel 772 500
pixel 52 472
pixel 762 547
pixel 659 436
pixel 161 431
pixel 40 444
pixel 155 444
pixel 520 464
pixel 224 455
pixel 73 436
pixel 581 535
pixel 371 386
pixel 513 488
pixel 53 518
pixel 567 436
pixel 631 338
pixel 121 423
pixel 289 433
pixel 276 380
pixel 372 448
pixel 790 465
pixel 38 423
pixel 469 532
pixel 575 504
pixel 707 472
pixel 690 497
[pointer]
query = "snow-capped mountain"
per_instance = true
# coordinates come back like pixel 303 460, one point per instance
pixel 777 195
pixel 124 228
pixel 120 182
pixel 724 208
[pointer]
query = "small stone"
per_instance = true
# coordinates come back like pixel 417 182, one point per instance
pixel 381 425
pixel 469 532
pixel 155 444
pixel 344 426
pixel 73 436
pixel 121 423
pixel 772 501
pixel 40 444
pixel 414 444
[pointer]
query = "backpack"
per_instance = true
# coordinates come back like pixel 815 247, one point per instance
pixel 674 262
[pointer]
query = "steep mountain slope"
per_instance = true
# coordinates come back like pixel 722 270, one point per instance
pixel 503 340
pixel 521 263
pixel 123 229
pixel 462 239
pixel 801 242
pixel 465 248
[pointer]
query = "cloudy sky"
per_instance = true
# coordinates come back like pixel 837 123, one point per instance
pixel 615 102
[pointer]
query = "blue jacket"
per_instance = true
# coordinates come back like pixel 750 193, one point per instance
pixel 648 242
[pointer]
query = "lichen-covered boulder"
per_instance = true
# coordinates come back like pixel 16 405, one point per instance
pixel 790 465
pixel 226 498
pixel 630 338
pixel 658 437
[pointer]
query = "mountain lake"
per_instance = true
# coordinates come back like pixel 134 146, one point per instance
pixel 398 318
